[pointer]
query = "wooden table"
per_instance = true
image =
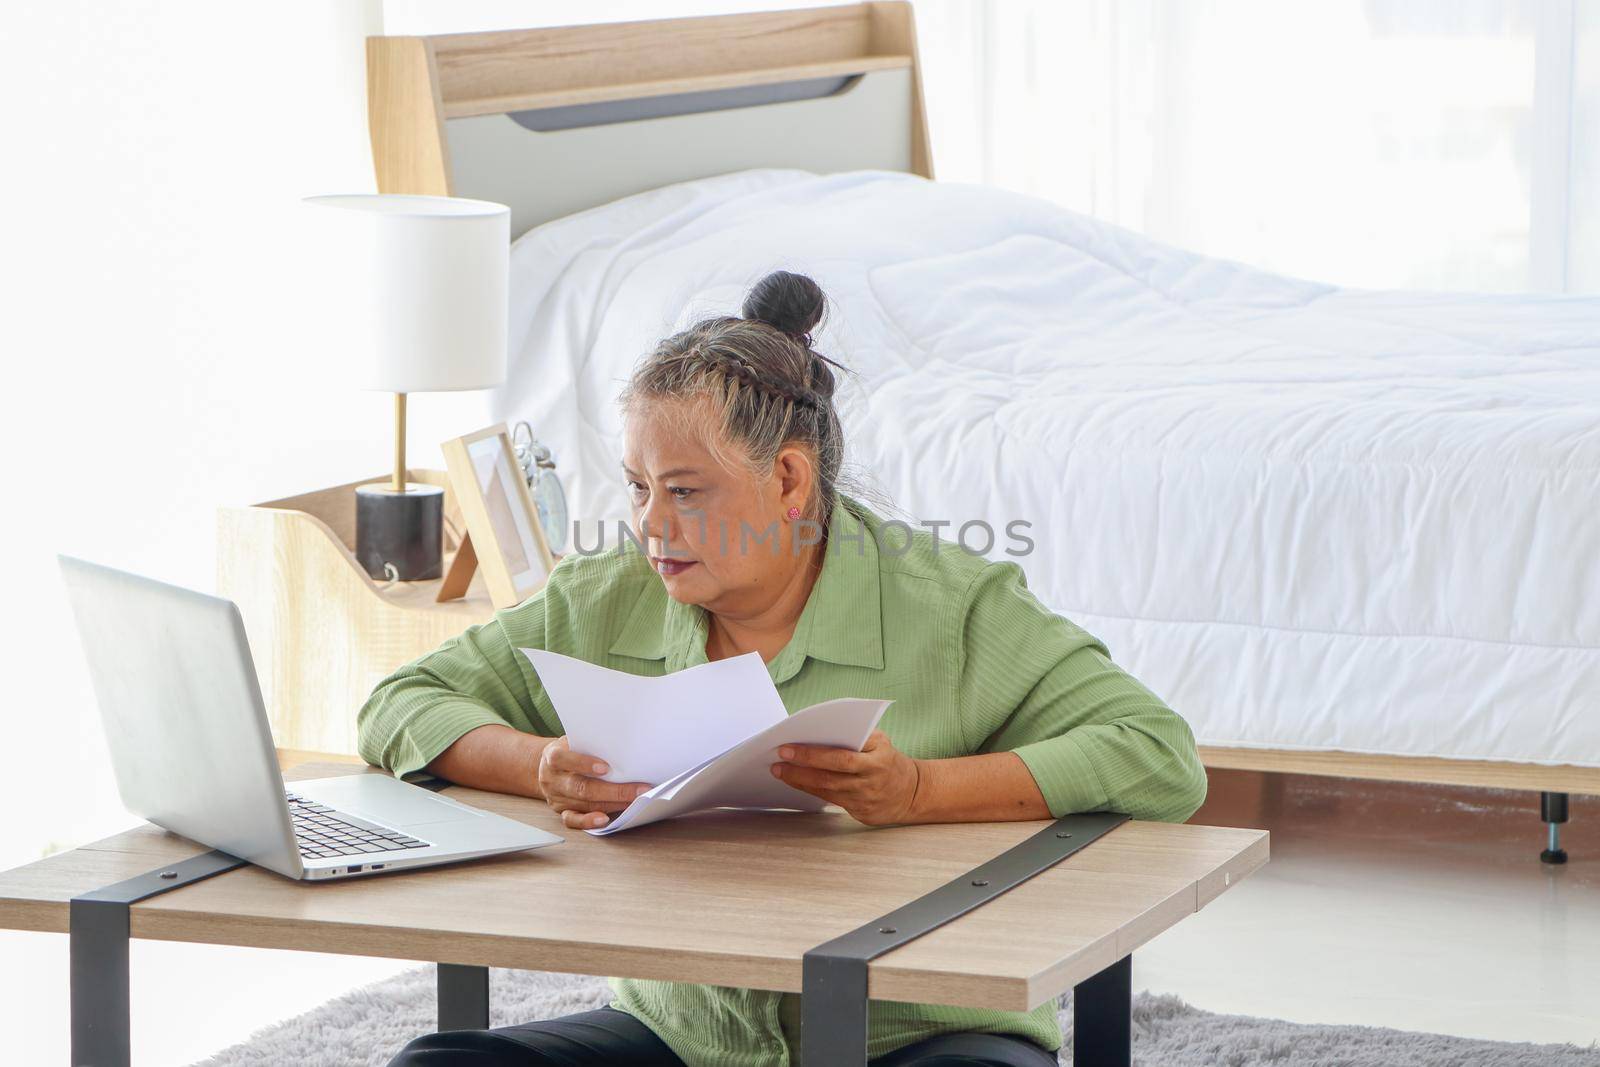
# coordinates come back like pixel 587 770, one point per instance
pixel 727 898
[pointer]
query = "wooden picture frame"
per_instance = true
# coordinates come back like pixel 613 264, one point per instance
pixel 503 534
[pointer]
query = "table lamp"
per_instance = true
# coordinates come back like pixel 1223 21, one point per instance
pixel 415 291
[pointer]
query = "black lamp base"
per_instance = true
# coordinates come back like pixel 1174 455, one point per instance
pixel 403 529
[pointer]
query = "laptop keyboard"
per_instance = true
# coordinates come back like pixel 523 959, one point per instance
pixel 322 832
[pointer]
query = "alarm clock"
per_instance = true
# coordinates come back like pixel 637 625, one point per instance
pixel 549 498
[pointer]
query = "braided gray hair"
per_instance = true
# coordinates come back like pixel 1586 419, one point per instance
pixel 767 385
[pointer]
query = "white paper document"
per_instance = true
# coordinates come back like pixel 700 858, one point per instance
pixel 706 736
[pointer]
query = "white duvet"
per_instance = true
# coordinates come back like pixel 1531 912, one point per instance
pixel 1309 517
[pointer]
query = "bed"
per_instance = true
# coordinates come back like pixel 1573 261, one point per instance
pixel 1341 531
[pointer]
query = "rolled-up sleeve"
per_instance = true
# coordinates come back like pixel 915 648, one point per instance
pixel 472 680
pixel 1092 735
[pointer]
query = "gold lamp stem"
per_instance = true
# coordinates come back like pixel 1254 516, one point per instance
pixel 399 442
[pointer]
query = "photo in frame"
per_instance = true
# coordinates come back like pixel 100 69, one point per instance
pixel 503 534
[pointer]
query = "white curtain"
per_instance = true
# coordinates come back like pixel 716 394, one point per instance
pixel 1382 143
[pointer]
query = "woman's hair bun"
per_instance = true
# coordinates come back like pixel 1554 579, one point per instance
pixel 790 303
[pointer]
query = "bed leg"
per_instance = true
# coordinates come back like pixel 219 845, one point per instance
pixel 1553 810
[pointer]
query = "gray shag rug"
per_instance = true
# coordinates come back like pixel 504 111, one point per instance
pixel 366 1027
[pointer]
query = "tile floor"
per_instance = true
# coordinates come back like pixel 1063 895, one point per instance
pixel 1417 907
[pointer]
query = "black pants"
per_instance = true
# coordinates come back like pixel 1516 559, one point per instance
pixel 609 1036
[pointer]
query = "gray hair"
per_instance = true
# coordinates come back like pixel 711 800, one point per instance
pixel 766 385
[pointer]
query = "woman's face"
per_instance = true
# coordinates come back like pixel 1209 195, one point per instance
pixel 716 534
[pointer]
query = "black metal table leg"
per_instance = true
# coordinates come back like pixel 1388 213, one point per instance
pixel 833 1012
pixel 98 925
pixel 98 969
pixel 833 979
pixel 1102 1017
pixel 463 997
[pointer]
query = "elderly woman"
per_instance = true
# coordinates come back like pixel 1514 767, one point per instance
pixel 1002 710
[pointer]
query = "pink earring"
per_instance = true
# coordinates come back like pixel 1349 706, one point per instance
pixel 794 513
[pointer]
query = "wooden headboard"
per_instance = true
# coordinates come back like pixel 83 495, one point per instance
pixel 553 121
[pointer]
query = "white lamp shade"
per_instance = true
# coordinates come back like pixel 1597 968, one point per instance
pixel 412 288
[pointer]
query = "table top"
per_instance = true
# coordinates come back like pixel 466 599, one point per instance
pixel 729 898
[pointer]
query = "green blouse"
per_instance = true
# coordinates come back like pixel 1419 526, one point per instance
pixel 973 662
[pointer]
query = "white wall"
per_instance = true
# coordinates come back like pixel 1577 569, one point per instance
pixel 158 155
pixel 472 16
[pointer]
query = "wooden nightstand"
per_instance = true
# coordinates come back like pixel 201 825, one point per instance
pixel 322 632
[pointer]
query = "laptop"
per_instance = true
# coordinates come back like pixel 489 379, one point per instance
pixel 192 749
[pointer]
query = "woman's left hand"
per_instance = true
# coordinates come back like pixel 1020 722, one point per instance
pixel 877 785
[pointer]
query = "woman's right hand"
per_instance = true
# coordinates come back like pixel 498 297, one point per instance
pixel 570 782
